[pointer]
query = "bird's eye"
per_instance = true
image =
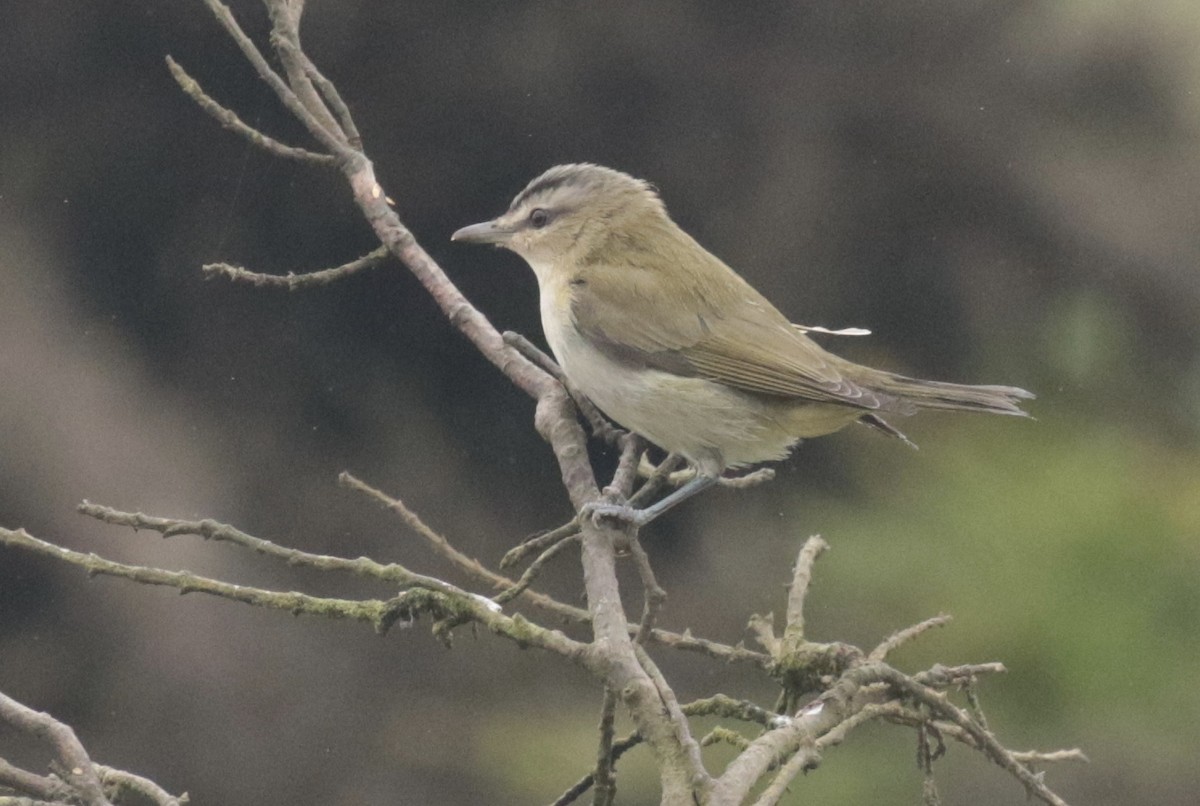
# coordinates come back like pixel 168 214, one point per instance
pixel 539 218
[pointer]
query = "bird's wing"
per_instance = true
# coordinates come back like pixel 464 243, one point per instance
pixel 724 331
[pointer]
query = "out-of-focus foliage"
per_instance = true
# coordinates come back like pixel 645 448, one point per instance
pixel 1004 192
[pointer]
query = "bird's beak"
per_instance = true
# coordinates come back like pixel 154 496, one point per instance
pixel 487 232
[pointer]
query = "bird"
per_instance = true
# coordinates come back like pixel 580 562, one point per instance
pixel 672 344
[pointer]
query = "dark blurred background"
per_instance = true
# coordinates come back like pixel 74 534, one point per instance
pixel 1004 192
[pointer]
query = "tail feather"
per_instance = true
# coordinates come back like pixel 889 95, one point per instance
pixel 912 393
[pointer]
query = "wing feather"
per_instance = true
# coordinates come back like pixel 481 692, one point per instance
pixel 710 324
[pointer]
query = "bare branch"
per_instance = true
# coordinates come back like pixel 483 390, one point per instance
pixel 332 97
pixel 684 743
pixel 45 787
pixel 427 595
pixel 725 706
pixel 689 643
pixel 726 735
pixel 677 478
pixel 803 760
pixel 74 767
pixel 942 708
pixel 627 467
pixel 535 354
pixel 939 676
pixel 868 691
pixel 121 781
pixel 752 479
pixel 533 571
pixel 229 120
pixel 793 631
pixel 902 637
pixel 541 542
pixel 657 478
pixel 973 703
pixel 336 145
pixel 763 628
pixel 1050 757
pixel 285 38
pixel 600 425
pixel 443 548
pixel 653 595
pixel 292 281
pixel 619 749
pixel 627 670
pixel 391 573
pixel 604 779
pixel 685 641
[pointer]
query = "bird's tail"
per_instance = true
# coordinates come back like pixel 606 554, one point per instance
pixel 910 393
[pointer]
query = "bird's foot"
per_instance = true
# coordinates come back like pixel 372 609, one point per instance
pixel 623 514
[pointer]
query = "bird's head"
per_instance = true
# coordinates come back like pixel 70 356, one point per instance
pixel 572 214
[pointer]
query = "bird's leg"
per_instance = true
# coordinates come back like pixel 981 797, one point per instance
pixel 640 517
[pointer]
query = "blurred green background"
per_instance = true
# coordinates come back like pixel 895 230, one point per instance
pixel 1004 192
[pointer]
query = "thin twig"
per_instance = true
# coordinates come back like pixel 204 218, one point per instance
pixel 723 734
pixel 752 479
pixel 689 643
pixel 684 641
pixel 902 637
pixel 605 781
pixel 763 628
pixel 535 354
pixel 656 477
pixel 972 691
pixel 653 595
pixel 600 425
pixel 392 573
pixel 539 542
pixel 620 747
pixel 229 120
pixel 336 146
pixel 910 718
pixel 533 571
pixel 722 705
pixel 333 98
pixel 677 478
pixel 940 676
pixel 443 548
pixel 285 38
pixel 292 281
pixel 122 781
pixel 1050 757
pixel 804 759
pixel 927 752
pixel 942 708
pixel 793 631
pixel 627 467
pixel 426 594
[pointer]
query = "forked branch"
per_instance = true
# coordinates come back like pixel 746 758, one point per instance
pixel 74 777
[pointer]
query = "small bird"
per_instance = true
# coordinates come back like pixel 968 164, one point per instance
pixel 674 345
